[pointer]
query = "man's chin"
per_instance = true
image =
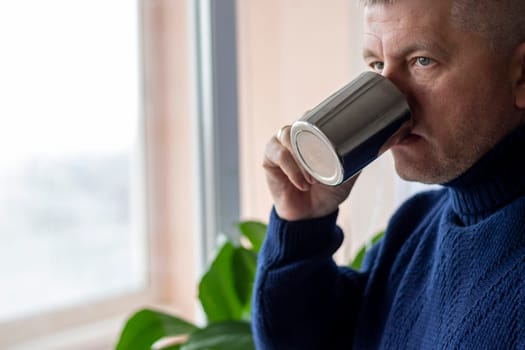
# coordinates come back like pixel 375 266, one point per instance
pixel 426 172
pixel 414 165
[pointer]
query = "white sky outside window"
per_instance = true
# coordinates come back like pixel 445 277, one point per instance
pixel 69 146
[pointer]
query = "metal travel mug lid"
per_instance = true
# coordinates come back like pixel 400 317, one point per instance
pixel 350 128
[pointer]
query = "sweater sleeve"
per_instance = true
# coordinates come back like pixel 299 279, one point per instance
pixel 302 299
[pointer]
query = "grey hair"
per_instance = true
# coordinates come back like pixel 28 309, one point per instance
pixel 501 22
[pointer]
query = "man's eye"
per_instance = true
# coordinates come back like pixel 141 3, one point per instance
pixel 378 66
pixel 424 61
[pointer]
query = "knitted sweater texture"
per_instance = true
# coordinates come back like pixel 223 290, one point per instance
pixel 449 274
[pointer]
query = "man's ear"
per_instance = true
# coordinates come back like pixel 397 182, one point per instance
pixel 518 76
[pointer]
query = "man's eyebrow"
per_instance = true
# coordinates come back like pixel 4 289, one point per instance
pixel 423 46
pixel 413 47
pixel 368 53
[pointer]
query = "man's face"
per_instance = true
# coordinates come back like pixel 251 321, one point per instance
pixel 459 91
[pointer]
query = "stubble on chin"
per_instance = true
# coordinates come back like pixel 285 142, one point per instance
pixel 434 167
pixel 419 172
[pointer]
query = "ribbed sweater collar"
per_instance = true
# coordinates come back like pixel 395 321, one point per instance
pixel 494 181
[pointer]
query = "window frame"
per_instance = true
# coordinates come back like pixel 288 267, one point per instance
pixel 216 122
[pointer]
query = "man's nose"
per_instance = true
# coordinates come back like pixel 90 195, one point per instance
pixel 398 77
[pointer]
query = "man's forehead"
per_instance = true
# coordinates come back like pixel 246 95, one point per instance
pixel 403 14
pixel 404 28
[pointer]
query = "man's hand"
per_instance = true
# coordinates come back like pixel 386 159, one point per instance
pixel 296 194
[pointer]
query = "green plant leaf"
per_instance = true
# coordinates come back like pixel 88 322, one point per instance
pixel 357 263
pixel 244 268
pixel 147 326
pixel 255 232
pixel 217 292
pixel 173 347
pixel 222 336
pixel 358 260
pixel 377 238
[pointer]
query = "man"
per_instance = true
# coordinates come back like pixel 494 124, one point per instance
pixel 450 272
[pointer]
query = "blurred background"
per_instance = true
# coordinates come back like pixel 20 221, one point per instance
pixel 131 138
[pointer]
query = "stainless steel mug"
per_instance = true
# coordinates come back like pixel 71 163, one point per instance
pixel 344 133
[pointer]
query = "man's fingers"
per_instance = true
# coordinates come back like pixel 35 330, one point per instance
pixel 277 155
pixel 283 135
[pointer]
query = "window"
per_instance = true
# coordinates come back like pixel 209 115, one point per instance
pixel 71 185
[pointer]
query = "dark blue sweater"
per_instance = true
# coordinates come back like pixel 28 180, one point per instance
pixel 450 272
